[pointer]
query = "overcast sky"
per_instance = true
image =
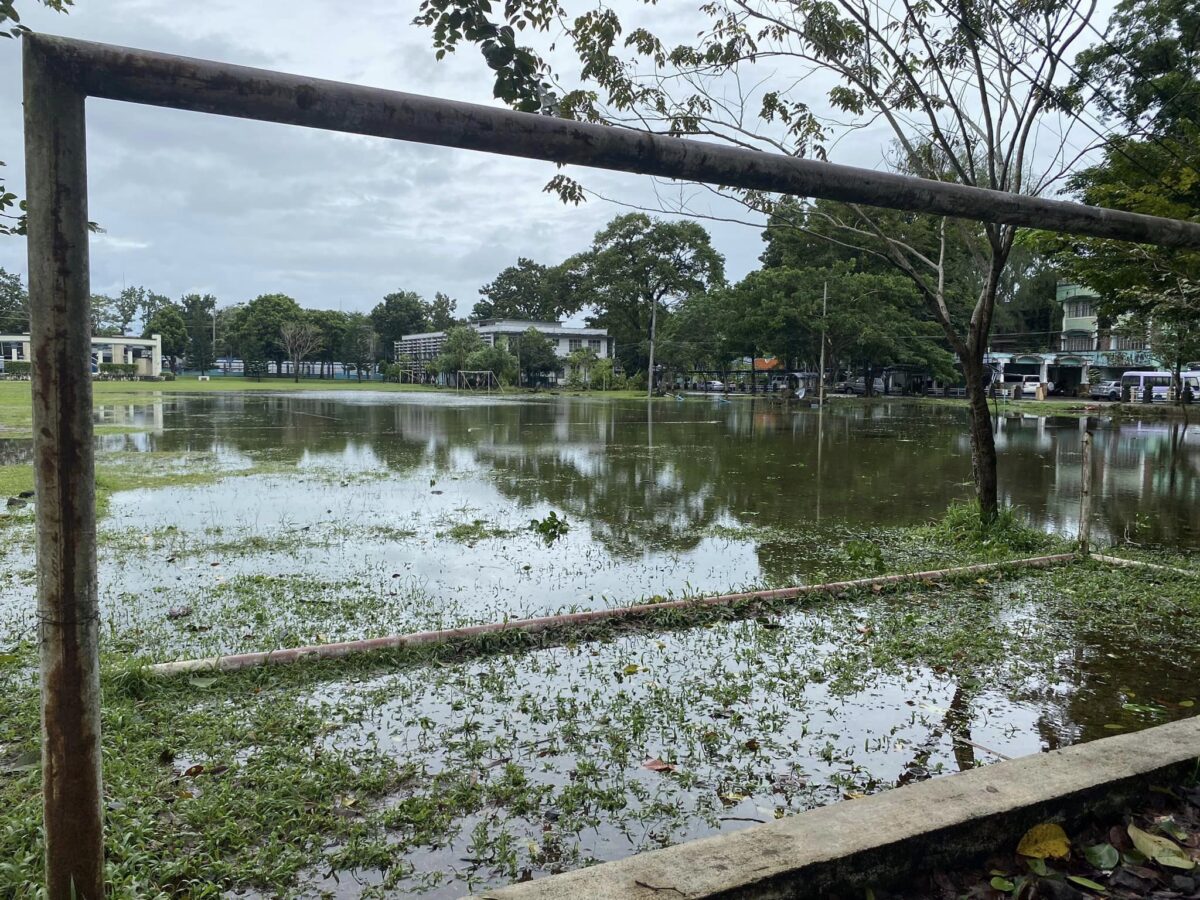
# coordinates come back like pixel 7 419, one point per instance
pixel 190 202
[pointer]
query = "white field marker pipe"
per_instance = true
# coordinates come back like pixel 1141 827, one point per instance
pixel 566 620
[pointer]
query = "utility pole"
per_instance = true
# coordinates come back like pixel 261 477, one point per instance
pixel 824 311
pixel 653 329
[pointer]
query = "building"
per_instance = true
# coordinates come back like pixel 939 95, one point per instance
pixel 425 347
pixel 1080 353
pixel 144 354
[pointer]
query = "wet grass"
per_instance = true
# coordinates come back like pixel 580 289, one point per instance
pixel 445 768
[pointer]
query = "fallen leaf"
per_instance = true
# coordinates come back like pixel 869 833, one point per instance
pixel 1102 856
pixel 1088 883
pixel 657 765
pixel 24 762
pixel 1045 841
pixel 632 669
pixel 202 682
pixel 1160 849
pixel 1001 884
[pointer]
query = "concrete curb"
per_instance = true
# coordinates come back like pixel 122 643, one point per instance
pixel 887 837
pixel 569 620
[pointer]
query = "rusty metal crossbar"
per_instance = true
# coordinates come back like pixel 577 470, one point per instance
pixel 60 73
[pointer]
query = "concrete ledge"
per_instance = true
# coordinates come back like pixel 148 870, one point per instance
pixel 886 837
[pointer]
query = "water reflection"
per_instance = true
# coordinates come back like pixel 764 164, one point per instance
pixel 658 475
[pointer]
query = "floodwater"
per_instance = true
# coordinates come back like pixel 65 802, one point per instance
pixel 370 514
pixel 653 477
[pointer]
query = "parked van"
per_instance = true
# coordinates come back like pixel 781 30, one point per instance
pixel 1135 383
pixel 1160 382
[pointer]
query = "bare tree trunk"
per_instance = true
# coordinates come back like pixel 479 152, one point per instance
pixel 983 441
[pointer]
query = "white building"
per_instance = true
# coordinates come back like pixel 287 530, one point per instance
pixel 144 354
pixel 566 338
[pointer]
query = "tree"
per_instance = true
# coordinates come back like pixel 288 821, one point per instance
pixel 103 316
pixel 199 314
pixel 300 339
pixel 961 86
pixel 495 359
pixel 168 322
pixel 461 342
pixel 400 313
pixel 528 290
pixel 536 355
pixel 581 362
pixel 636 269
pixel 14 304
pixel 1146 75
pixel 360 344
pixel 440 312
pixel 332 324
pixel 259 328
pixel 126 305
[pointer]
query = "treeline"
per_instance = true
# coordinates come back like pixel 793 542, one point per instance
pixel 655 285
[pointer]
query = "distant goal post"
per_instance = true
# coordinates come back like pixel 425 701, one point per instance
pixel 476 380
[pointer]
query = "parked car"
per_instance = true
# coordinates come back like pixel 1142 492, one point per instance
pixel 1105 390
pixel 1028 384
pixel 714 385
pixel 859 385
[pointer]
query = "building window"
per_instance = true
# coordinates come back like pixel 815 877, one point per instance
pixel 1077 342
pixel 594 344
pixel 575 344
pixel 1078 309
pixel 1126 342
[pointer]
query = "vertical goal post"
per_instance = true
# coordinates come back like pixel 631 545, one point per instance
pixel 61 73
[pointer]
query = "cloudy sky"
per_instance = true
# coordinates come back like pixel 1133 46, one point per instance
pixel 191 202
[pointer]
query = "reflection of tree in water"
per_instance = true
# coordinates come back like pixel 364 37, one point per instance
pixel 658 477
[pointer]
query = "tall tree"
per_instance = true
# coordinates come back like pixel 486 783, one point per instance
pixel 440 312
pixel 461 342
pixel 637 269
pixel 360 345
pixel 301 338
pixel 400 313
pixel 962 87
pixel 168 322
pixel 1145 76
pixel 126 306
pixel 528 290
pixel 259 327
pixel 14 304
pixel 333 325
pixel 199 314
pixel 535 354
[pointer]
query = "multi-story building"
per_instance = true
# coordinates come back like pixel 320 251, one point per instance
pixel 1080 353
pixel 425 347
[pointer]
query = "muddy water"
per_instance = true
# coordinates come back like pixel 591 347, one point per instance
pixel 654 477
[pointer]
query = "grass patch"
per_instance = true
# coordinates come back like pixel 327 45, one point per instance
pixel 963 527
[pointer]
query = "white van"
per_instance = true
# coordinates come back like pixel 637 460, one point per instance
pixel 1135 383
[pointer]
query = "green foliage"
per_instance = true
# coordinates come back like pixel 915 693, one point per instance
pixel 963 528
pixel 120 370
pixel 495 359
pixel 257 334
pixel 635 264
pixel 360 345
pixel 535 355
pixel 18 368
pixel 461 343
pixel 528 290
pixel 198 312
pixel 400 313
pixel 440 312
pixel 14 304
pixel 551 528
pixel 169 322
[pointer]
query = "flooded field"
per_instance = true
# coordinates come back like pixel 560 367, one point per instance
pixel 248 522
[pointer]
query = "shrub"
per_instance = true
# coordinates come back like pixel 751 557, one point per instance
pixel 963 528
pixel 18 368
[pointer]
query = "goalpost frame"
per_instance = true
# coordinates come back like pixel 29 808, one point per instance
pixel 61 73
pixel 492 379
